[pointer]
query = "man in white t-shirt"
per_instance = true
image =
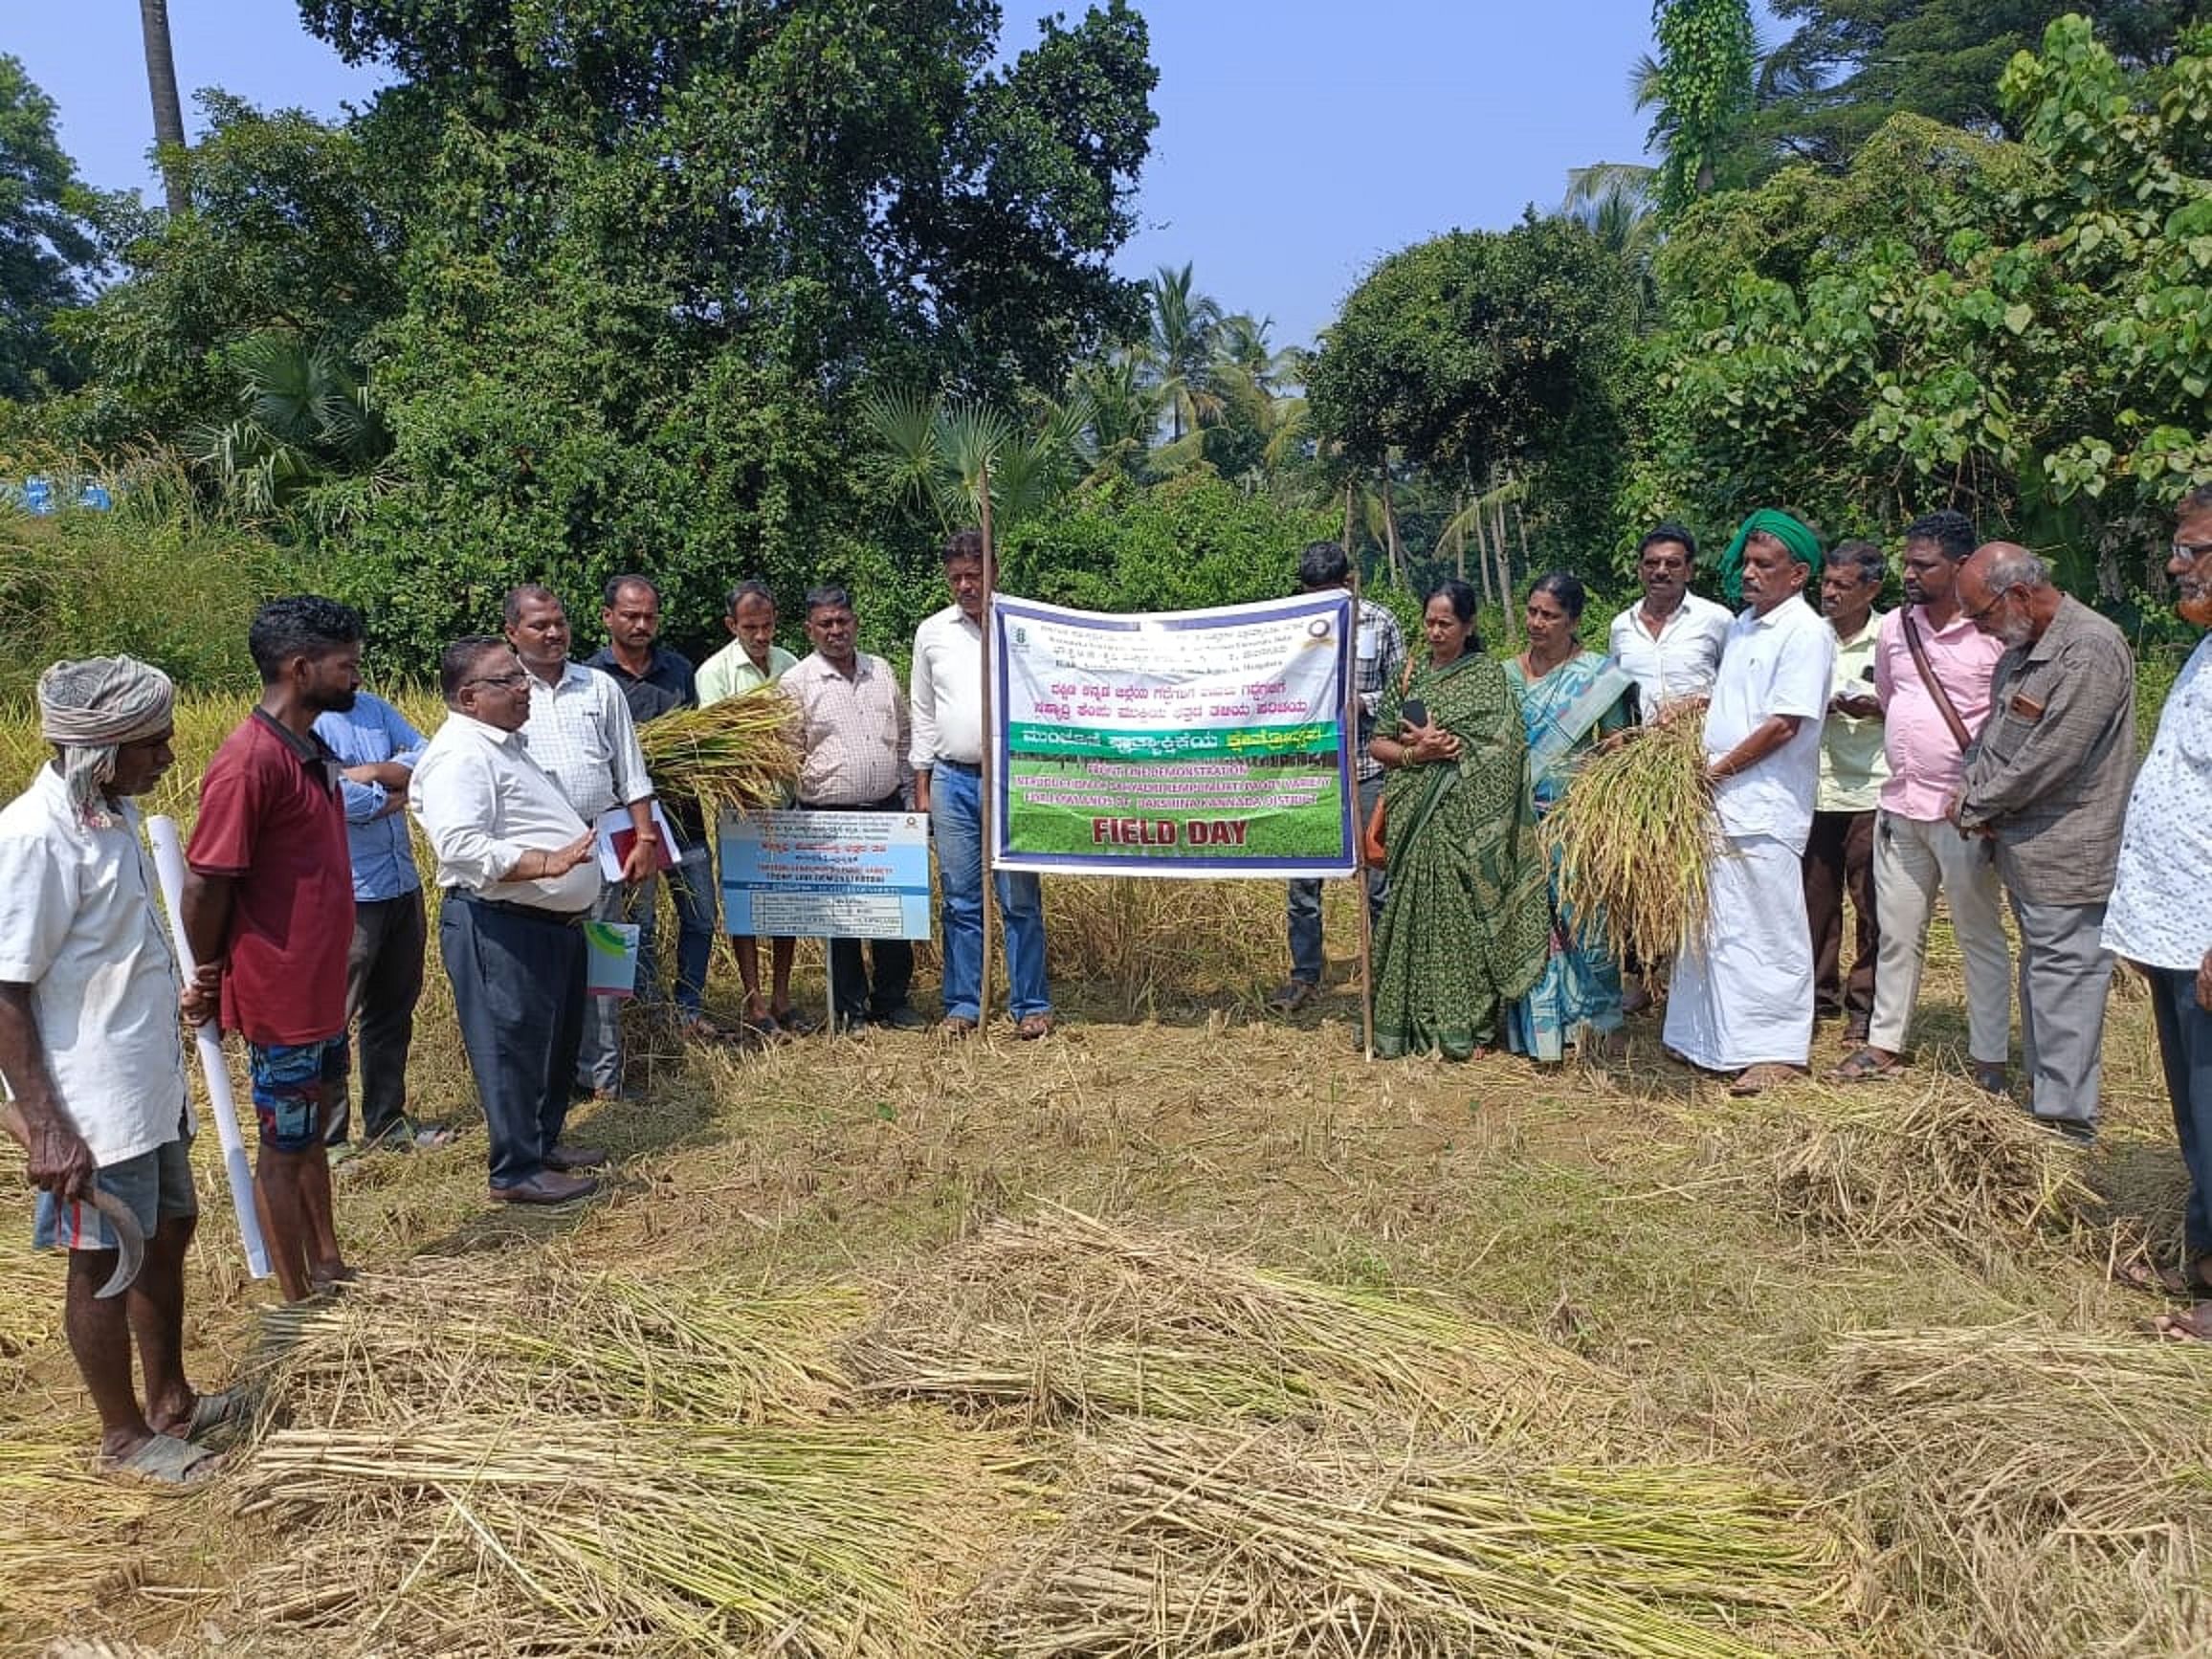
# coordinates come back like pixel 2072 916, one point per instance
pixel 93 1056
pixel 1743 997
pixel 1670 642
pixel 2161 914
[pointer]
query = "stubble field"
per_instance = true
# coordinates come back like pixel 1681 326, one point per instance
pixel 1182 1331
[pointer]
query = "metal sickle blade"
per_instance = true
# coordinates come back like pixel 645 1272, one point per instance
pixel 130 1242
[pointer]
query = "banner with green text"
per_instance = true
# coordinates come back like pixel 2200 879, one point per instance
pixel 1189 742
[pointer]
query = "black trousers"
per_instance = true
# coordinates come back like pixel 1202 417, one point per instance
pixel 518 978
pixel 1840 859
pixel 384 981
pixel 893 959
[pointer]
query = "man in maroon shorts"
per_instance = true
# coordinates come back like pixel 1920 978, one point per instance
pixel 268 908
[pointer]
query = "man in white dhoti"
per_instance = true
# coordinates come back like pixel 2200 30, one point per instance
pixel 1742 1001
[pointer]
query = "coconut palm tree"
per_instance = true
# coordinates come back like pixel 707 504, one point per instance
pixel 1184 327
pixel 169 111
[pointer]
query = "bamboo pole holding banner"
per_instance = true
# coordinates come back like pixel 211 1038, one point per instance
pixel 1350 776
pixel 985 795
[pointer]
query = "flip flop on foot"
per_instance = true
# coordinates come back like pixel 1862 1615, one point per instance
pixel 797 1024
pixel 1865 1065
pixel 2185 1283
pixel 2193 1325
pixel 1768 1075
pixel 1034 1027
pixel 210 1411
pixel 164 1460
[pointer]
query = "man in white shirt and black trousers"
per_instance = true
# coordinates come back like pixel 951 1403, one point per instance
pixel 517 868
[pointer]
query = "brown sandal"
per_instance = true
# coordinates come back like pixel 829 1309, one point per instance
pixel 1865 1065
pixel 1766 1074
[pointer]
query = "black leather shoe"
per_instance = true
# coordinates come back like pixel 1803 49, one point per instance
pixel 902 1018
pixel 565 1158
pixel 546 1189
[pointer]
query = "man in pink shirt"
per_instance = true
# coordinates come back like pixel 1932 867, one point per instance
pixel 1934 701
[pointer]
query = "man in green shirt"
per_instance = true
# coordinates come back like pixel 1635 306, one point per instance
pixel 751 660
pixel 1840 850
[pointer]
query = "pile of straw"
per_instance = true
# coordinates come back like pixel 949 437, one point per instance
pixel 1194 1540
pixel 67 1541
pixel 568 1340
pixel 737 755
pixel 573 1534
pixel 1951 1165
pixel 1632 837
pixel 1068 1319
pixel 2036 1490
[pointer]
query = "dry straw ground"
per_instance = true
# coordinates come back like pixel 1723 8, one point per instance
pixel 1184 1331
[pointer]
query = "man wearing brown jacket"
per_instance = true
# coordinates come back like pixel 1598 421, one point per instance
pixel 2047 780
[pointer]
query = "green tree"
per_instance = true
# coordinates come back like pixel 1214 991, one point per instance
pixel 1179 346
pixel 2018 330
pixel 1854 63
pixel 657 252
pixel 1702 88
pixel 289 230
pixel 51 236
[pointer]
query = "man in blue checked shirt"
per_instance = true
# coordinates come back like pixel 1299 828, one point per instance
pixel 384 971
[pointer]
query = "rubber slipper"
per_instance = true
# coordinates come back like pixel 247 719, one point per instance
pixel 2193 1326
pixel 164 1460
pixel 799 1024
pixel 2181 1284
pixel 1034 1027
pixel 1758 1079
pixel 210 1411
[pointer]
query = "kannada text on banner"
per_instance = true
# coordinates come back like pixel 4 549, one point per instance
pixel 1197 744
pixel 826 875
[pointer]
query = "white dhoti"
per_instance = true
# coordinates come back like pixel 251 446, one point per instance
pixel 1743 994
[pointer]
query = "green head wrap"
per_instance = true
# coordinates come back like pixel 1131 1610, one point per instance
pixel 1793 534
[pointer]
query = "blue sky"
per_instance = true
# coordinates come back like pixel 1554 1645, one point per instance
pixel 1298 142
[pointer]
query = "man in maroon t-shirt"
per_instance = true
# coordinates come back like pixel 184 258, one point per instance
pixel 268 908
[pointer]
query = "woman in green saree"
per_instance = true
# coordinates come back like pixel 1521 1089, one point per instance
pixel 1466 927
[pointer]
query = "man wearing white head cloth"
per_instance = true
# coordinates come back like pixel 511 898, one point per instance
pixel 93 1057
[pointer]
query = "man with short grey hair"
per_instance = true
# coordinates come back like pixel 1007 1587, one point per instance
pixel 2047 780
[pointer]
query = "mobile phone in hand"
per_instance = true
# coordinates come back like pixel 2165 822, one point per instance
pixel 1414 713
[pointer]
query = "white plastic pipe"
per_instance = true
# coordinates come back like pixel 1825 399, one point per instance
pixel 169 866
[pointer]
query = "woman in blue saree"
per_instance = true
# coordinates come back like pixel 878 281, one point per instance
pixel 1570 699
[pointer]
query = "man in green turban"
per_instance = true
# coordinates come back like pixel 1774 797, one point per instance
pixel 1742 998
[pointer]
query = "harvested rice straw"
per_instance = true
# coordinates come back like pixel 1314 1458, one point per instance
pixel 404 1346
pixel 62 1545
pixel 1194 1540
pixel 1066 1316
pixel 839 1539
pixel 740 754
pixel 1633 836
pixel 1951 1165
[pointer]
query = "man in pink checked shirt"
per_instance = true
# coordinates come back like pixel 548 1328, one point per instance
pixel 1934 701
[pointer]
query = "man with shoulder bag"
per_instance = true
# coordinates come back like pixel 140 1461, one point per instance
pixel 1932 676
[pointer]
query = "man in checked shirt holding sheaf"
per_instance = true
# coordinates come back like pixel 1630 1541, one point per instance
pixel 1380 654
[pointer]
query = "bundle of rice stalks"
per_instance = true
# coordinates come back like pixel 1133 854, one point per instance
pixel 1632 837
pixel 611 1535
pixel 1205 1541
pixel 445 1334
pixel 1067 1317
pixel 737 755
pixel 1953 1166
pixel 2035 1491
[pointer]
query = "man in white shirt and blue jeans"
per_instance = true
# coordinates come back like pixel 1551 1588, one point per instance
pixel 94 1058
pixel 947 740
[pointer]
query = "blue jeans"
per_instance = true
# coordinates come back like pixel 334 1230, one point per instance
pixel 956 824
pixel 1306 960
pixel 2185 1047
pixel 690 884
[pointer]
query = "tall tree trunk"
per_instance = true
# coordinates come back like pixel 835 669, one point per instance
pixel 1390 528
pixel 1482 559
pixel 1459 532
pixel 1348 494
pixel 1504 572
pixel 169 112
